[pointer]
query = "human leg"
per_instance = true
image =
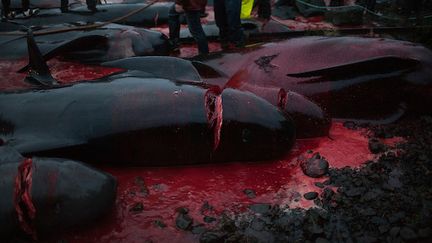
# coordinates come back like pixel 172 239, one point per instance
pixel 221 20
pixel 194 25
pixel 174 27
pixel 233 8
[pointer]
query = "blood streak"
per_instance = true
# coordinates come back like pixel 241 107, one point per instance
pixel 282 99
pixel 214 108
pixel 24 207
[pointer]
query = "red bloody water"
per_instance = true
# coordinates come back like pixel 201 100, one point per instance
pixel 221 185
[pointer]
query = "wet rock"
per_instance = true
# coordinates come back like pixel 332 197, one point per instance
pixel 354 192
pixel 321 240
pixel 160 224
pixel 425 232
pixel 183 220
pixel 315 229
pixel 310 195
pixel 327 194
pixel 315 167
pixel 383 228
pixel 198 229
pixel 394 231
pixel 249 193
pixel 212 237
pixel 260 208
pixel 367 239
pixel 209 219
pixel 375 146
pixel 319 184
pixel 408 234
pixel 137 207
pixel 143 190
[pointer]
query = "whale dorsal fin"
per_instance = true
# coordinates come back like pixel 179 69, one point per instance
pixel 38 72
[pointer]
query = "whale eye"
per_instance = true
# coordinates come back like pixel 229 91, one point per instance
pixel 246 135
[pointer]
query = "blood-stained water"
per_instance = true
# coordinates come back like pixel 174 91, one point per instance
pixel 149 197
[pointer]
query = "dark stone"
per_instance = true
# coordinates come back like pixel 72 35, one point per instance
pixel 160 224
pixel 319 184
pixel 321 240
pixel 383 228
pixel 249 193
pixel 408 234
pixel 310 195
pixel 375 146
pixel 394 231
pixel 212 237
pixel 354 192
pixel 315 167
pixel 425 232
pixel 137 207
pixel 209 219
pixel 327 194
pixel 184 221
pixel 261 208
pixel 182 210
pixel 315 229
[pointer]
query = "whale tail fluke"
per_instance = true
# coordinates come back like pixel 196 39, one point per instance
pixel 38 72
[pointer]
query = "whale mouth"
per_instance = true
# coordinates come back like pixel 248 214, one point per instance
pixel 214 113
pixel 24 207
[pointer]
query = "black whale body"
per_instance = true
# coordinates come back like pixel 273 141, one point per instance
pixel 152 16
pixel 107 43
pixel 146 121
pixel 64 193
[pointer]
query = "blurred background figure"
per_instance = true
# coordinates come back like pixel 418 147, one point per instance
pixel 27 11
pixel 227 17
pixel 91 5
pixel 412 6
pixel 193 10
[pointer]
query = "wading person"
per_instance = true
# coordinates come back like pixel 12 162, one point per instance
pixel 27 11
pixel 227 17
pixel 192 10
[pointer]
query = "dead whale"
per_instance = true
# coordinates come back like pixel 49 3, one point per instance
pixel 309 118
pixel 107 43
pixel 151 16
pixel 40 195
pixel 137 117
pixel 349 77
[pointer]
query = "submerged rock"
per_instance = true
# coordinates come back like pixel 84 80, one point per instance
pixel 315 167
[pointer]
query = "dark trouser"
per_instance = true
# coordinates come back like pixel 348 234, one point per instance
pixel 370 4
pixel 227 16
pixel 194 25
pixel 91 4
pixel 25 4
pixel 413 5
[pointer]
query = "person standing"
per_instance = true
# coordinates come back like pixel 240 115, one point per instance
pixel 91 5
pixel 192 10
pixel 27 11
pixel 227 17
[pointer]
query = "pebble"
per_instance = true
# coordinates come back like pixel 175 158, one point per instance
pixel 310 195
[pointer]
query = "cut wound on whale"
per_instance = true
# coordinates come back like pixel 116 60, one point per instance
pixel 214 110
